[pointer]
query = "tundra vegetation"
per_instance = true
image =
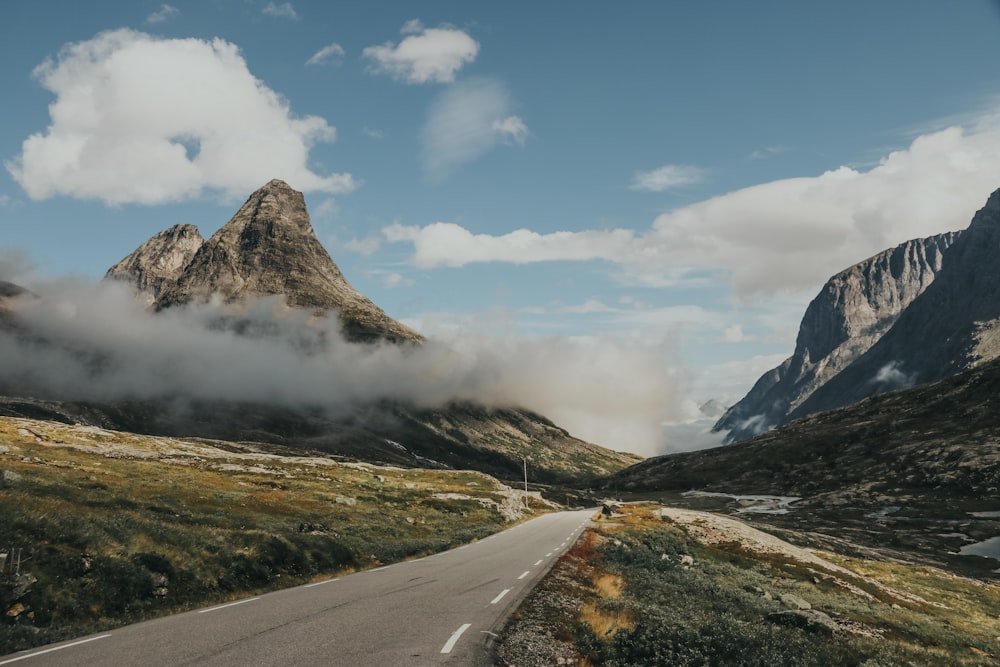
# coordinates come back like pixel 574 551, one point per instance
pixel 103 528
pixel 697 589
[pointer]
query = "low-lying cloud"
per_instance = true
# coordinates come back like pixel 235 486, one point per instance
pixel 96 342
pixel 147 120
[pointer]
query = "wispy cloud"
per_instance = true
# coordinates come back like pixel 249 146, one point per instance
pixel 204 123
pixel 367 246
pixel 283 11
pixel 467 120
pixel 769 151
pixel 425 55
pixel 666 177
pixel 746 237
pixel 163 14
pixel 331 53
pixel 373 133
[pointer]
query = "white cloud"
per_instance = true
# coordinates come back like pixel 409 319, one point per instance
pixel 466 121
pixel 326 210
pixel 373 133
pixel 784 236
pixel 425 55
pixel 140 119
pixel 283 11
pixel 366 246
pixel 448 244
pixel 513 129
pixel 393 280
pixel 733 334
pixel 163 14
pixel 331 53
pixel 666 177
pixel 588 307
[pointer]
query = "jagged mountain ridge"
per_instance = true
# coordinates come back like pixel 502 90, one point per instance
pixel 159 262
pixel 954 325
pixel 852 311
pixel 268 248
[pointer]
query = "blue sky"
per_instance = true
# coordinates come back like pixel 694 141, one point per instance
pixel 678 178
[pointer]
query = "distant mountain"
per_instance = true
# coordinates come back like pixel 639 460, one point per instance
pixel 939 440
pixel 160 261
pixel 954 325
pixel 268 248
pixel 852 311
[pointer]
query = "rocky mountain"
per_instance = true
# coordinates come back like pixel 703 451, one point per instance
pixel 954 325
pixel 852 311
pixel 268 248
pixel 159 262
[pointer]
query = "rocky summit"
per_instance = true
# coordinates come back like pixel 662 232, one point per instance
pixel 158 262
pixel 954 325
pixel 267 249
pixel 849 315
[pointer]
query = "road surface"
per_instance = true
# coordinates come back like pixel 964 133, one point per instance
pixel 442 609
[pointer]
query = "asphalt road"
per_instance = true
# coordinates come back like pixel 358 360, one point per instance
pixel 442 609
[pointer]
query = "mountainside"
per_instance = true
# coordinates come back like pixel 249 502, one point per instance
pixel 269 248
pixel 939 440
pixel 952 326
pixel 460 435
pixel 159 262
pixel 852 311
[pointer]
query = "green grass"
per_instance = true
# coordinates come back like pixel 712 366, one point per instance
pixel 118 527
pixel 714 612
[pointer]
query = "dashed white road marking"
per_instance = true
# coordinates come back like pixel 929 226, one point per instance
pixel 379 569
pixel 524 574
pixel 500 597
pixel 450 644
pixel 320 583
pixel 50 650
pixel 228 604
pixel 548 554
pixel 538 562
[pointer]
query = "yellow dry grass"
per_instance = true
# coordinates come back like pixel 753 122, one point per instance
pixel 606 622
pixel 608 585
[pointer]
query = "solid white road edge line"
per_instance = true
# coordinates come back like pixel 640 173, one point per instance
pixel 525 574
pixel 320 583
pixel 228 604
pixel 450 644
pixel 500 597
pixel 50 650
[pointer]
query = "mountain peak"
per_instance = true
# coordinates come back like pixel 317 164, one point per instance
pixel 158 262
pixel 269 248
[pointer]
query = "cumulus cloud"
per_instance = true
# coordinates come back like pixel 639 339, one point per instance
pixel 331 53
pixel 512 129
pixel 100 344
pixel 666 177
pixel 163 14
pixel 141 119
pixel 283 11
pixel 425 55
pixel 748 237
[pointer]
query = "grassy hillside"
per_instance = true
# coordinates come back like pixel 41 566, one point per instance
pixel 692 588
pixel 114 527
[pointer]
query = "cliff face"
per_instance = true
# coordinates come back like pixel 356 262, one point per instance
pixel 159 262
pixel 849 315
pixel 268 248
pixel 954 325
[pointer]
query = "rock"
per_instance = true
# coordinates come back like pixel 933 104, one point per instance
pixel 849 315
pixel 11 476
pixel 269 248
pixel 810 620
pixel 793 601
pixel 16 610
pixel 341 500
pixel 953 326
pixel 21 584
pixel 686 560
pixel 159 262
